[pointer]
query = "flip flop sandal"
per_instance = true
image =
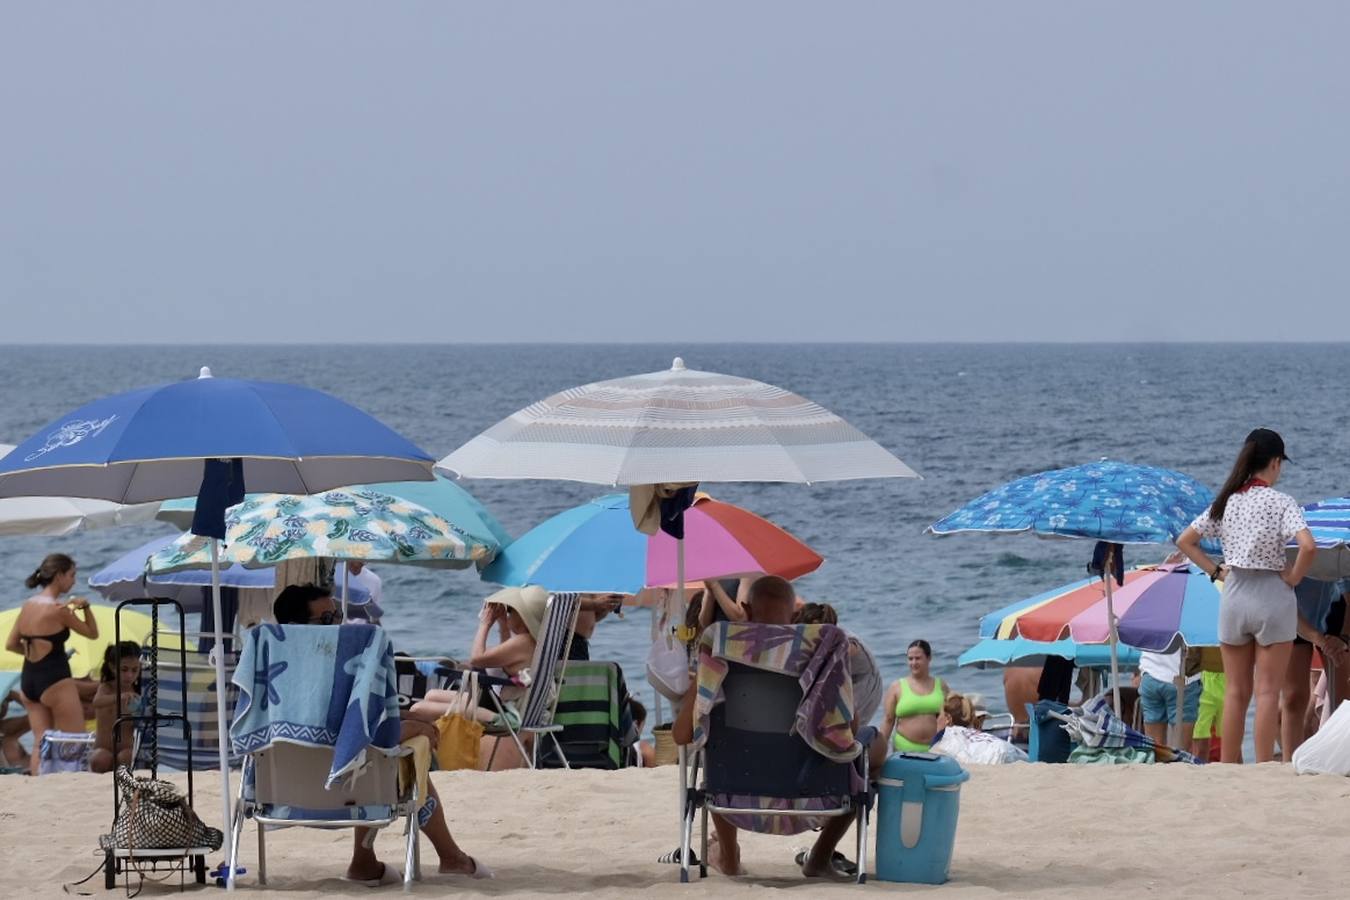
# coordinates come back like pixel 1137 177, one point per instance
pixel 839 862
pixel 674 857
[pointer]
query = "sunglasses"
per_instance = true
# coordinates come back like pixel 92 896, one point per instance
pixel 328 618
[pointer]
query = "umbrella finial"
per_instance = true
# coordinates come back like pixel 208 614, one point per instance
pixel 205 372
pixel 677 365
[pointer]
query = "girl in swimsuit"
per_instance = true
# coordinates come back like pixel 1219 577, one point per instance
pixel 118 685
pixel 40 632
pixel 913 703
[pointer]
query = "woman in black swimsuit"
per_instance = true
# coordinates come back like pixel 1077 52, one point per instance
pixel 40 632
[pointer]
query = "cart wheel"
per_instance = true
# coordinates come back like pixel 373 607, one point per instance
pixel 109 871
pixel 199 868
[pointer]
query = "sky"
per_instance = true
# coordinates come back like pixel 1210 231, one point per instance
pixel 637 171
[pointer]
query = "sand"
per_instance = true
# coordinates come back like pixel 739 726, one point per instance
pixel 1025 831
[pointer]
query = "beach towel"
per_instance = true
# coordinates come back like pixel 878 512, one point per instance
pixel 816 654
pixel 318 686
pixel 1097 726
pixel 593 711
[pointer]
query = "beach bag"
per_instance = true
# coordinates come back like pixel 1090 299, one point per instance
pixel 459 734
pixel 668 661
pixel 65 751
pixel 1328 751
pixel 154 815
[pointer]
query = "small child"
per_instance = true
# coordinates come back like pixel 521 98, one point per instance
pixel 116 679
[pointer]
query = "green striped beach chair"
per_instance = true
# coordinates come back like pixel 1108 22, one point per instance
pixel 593 712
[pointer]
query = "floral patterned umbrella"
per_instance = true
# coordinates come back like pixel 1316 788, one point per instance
pixel 355 523
pixel 1104 501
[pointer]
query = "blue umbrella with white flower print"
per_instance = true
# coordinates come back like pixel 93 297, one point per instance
pixel 1107 501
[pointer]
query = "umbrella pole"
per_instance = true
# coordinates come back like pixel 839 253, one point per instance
pixel 679 577
pixel 222 727
pixel 1111 620
pixel 346 588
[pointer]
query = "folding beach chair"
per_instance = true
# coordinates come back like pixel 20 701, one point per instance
pixel 173 750
pixel 593 712
pixel 754 754
pixel 546 673
pixel 418 674
pixel 283 787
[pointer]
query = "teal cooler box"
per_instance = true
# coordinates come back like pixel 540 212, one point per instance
pixel 920 795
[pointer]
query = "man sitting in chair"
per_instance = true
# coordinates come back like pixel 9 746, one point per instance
pixel 771 601
pixel 309 605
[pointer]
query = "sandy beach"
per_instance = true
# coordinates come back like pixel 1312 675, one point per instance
pixel 1025 831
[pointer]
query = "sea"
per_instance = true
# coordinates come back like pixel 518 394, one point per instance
pixel 967 417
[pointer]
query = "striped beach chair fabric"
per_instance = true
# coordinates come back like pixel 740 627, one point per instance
pixel 546 670
pixel 200 712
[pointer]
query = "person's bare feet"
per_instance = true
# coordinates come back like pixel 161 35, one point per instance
pixel 816 867
pixel 460 864
pixel 726 860
pixel 365 871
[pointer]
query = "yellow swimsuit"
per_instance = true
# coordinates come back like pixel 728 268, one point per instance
pixel 912 704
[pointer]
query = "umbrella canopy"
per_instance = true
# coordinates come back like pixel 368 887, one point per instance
pixel 1160 608
pixel 361 523
pixel 1329 522
pixel 1105 501
pixel 56 516
pixel 992 653
pixel 149 444
pixel 678 425
pixel 593 548
pixel 440 495
pixel 126 579
pixel 86 655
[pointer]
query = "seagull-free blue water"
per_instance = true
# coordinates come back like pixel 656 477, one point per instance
pixel 967 417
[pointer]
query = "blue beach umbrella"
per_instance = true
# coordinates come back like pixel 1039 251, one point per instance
pixel 1107 501
pixel 1329 522
pixel 209 437
pixel 1103 501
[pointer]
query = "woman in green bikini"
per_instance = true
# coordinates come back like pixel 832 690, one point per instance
pixel 913 703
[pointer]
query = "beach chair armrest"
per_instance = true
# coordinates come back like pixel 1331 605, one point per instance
pixel 490 680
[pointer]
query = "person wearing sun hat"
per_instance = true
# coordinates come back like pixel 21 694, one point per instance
pixel 518 613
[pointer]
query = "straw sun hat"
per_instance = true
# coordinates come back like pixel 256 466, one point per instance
pixel 530 602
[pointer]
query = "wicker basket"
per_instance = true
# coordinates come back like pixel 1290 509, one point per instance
pixel 667 753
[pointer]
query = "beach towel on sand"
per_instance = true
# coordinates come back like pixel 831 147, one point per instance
pixel 318 686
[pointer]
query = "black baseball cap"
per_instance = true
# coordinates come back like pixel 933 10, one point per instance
pixel 1269 443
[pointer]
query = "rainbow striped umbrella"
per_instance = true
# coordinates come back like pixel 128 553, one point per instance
pixel 1160 608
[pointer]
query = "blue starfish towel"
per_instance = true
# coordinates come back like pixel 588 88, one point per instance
pixel 318 686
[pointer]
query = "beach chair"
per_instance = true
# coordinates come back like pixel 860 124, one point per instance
pixel 593 713
pixel 541 696
pixel 203 734
pixel 418 674
pixel 753 754
pixel 283 787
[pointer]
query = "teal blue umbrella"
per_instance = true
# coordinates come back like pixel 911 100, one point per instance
pixel 993 653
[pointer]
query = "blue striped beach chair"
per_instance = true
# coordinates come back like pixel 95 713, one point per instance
pixel 201 712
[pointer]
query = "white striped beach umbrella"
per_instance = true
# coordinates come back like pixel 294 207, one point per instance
pixel 678 425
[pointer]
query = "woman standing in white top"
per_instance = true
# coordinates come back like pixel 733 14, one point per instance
pixel 1254 522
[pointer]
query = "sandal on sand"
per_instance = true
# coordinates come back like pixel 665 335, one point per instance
pixel 840 863
pixel 479 872
pixel 674 857
pixel 389 875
